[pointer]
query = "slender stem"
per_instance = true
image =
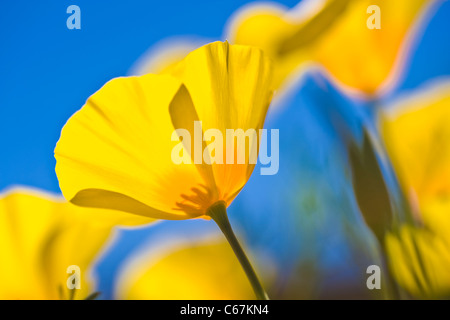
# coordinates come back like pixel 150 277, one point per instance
pixel 218 213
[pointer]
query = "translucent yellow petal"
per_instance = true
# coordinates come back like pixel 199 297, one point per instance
pixel 198 271
pixel 116 151
pixel 259 25
pixel 230 89
pixel 25 223
pixel 420 261
pixel 41 236
pixel 417 137
pixel 73 244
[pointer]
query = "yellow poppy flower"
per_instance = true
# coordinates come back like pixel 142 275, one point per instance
pixel 116 152
pixel 417 137
pixel 335 34
pixel 173 272
pixel 41 236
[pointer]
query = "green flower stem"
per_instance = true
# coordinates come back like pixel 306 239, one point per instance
pixel 218 212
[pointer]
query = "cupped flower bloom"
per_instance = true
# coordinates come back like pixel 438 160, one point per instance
pixel 340 35
pixel 44 239
pixel 417 137
pixel 171 271
pixel 117 152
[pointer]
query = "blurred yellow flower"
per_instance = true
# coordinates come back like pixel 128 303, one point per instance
pixel 116 151
pixel 333 33
pixel 370 188
pixel 419 260
pixel 189 271
pixel 417 137
pixel 42 235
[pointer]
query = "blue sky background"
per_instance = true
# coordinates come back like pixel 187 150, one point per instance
pixel 48 71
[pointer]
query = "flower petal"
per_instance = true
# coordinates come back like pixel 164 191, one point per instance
pixel 287 36
pixel 417 135
pixel 116 151
pixel 230 87
pixel 334 33
pixel 419 262
pixel 165 54
pixel 366 59
pixel 190 272
pixel 25 222
pixel 42 235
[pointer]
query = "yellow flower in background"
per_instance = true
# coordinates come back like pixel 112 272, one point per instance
pixel 419 260
pixel 333 33
pixel 116 151
pixel 198 270
pixel 417 135
pixel 42 235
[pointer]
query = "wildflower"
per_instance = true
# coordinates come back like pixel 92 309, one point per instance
pixel 417 137
pixel 333 34
pixel 116 152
